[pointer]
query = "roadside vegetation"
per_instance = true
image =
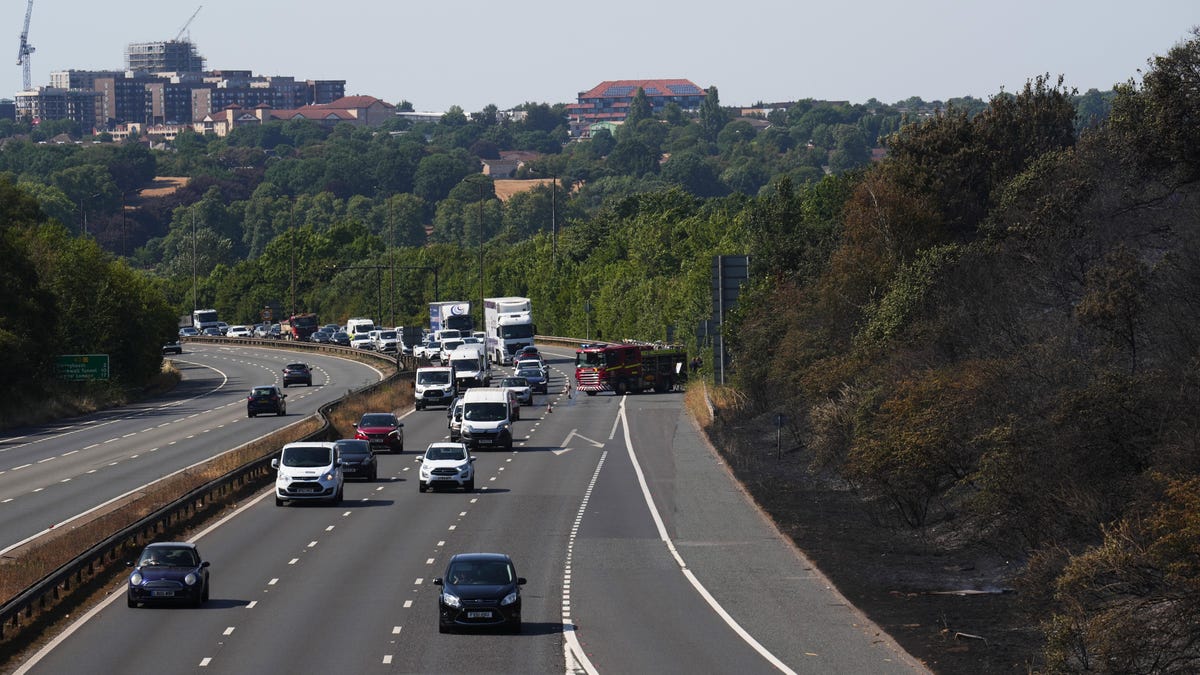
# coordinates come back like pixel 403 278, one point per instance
pixel 988 339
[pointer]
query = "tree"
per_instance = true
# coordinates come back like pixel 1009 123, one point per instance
pixel 713 117
pixel 639 109
pixel 437 174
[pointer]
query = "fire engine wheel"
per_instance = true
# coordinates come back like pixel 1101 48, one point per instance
pixel 621 388
pixel 591 393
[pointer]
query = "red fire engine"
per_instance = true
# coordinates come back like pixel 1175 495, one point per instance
pixel 298 326
pixel 629 367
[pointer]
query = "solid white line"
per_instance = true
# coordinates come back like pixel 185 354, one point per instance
pixel 666 539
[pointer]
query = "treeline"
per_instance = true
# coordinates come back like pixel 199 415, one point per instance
pixel 62 294
pixel 994 335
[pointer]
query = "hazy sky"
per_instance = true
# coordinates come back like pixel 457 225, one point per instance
pixel 438 53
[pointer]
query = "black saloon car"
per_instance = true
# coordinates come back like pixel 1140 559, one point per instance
pixel 169 572
pixel 297 373
pixel 266 399
pixel 480 590
pixel 358 459
pixel 340 338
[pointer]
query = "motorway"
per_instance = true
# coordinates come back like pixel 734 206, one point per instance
pixel 641 553
pixel 50 475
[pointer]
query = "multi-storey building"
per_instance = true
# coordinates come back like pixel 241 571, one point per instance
pixel 172 56
pixel 165 84
pixel 50 103
pixel 609 101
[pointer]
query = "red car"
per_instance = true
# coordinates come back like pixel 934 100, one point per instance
pixel 382 430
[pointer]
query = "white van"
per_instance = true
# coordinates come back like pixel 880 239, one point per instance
pixel 470 366
pixel 487 418
pixel 308 471
pixel 434 386
pixel 359 326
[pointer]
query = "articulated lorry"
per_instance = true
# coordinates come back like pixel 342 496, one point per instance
pixel 509 326
pixel 456 315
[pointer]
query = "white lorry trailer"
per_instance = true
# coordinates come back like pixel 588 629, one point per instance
pixel 509 326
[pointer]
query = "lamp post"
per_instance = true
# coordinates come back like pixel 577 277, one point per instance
pixel 553 215
pixel 83 214
pixel 480 180
pixel 379 282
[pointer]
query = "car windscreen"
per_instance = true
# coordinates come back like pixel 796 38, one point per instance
pixel 296 366
pixel 307 456
pixel 387 335
pixel 433 377
pixel 465 364
pixel 485 573
pixel 445 453
pixel 515 382
pixel 353 448
pixel 379 420
pixel 168 556
pixel 530 373
pixel 263 392
pixel 481 411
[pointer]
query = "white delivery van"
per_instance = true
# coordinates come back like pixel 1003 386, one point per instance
pixel 470 366
pixel 487 418
pixel 434 386
pixel 308 471
pixel 359 326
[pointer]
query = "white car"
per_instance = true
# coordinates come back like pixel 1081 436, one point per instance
pixel 446 465
pixel 239 331
pixel 361 341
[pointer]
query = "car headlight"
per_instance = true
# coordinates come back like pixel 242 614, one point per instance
pixel 451 600
pixel 329 476
pixel 191 579
pixel 135 579
pixel 509 599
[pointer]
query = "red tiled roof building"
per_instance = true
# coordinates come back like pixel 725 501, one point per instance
pixel 609 100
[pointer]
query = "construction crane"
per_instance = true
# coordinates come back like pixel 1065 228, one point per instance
pixel 26 48
pixel 185 26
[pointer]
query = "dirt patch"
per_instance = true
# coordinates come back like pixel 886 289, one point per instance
pixel 507 187
pixel 947 601
pixel 163 186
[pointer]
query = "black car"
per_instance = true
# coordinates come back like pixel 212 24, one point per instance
pixel 340 338
pixel 480 589
pixel 172 347
pixel 358 459
pixel 266 399
pixel 320 337
pixel 297 373
pixel 212 332
pixel 168 572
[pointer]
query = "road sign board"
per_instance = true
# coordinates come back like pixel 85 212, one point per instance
pixel 81 367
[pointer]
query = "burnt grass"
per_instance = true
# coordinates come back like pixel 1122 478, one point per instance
pixel 946 599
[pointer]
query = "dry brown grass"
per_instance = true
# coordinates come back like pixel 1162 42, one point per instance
pixel 507 187
pixel 391 397
pixel 164 185
pixel 75 399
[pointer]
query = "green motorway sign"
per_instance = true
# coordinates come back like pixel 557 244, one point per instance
pixel 78 367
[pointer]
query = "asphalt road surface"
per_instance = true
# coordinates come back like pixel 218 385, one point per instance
pixel 52 474
pixel 692 579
